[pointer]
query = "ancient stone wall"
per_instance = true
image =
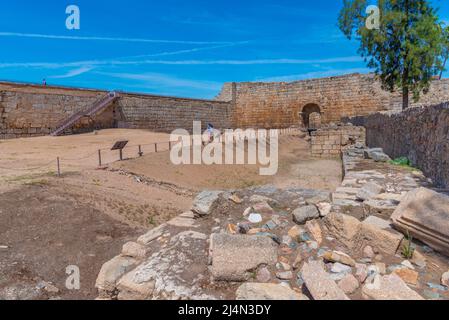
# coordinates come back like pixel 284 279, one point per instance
pixel 420 134
pixel 30 110
pixel 277 105
pixel 329 142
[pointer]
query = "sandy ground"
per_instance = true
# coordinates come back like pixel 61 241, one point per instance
pixel 87 214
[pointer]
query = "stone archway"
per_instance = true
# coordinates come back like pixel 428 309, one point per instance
pixel 311 116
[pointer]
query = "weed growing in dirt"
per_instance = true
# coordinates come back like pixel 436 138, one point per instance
pixel 407 248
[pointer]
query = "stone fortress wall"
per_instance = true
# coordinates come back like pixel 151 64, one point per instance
pixel 282 104
pixel 32 110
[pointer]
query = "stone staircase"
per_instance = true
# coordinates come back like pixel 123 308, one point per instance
pixel 96 108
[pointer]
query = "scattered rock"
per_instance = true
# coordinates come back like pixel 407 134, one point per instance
pixel 445 279
pixel 112 271
pixel 407 264
pixel 324 208
pixel 267 291
pixel 337 256
pixel 361 272
pixel 3 247
pixel 341 268
pixel 263 207
pixel 235 198
pixel 255 218
pixel 258 198
pixel 235 256
pixel 418 259
pixel 377 154
pixel 47 286
pixel 349 284
pixel 286 275
pixel 319 283
pixel 304 214
pixel 384 240
pixel 389 287
pixel 368 191
pixel 408 275
pixel 205 201
pixel 263 275
pixel 319 197
pixel 368 252
pixel 343 227
pixel 133 288
pixel 134 250
pixel 247 211
pixel 313 227
pixel 436 286
pixel 298 261
pixel 151 235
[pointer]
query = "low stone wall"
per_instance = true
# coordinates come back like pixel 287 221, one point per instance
pixel 328 142
pixel 420 134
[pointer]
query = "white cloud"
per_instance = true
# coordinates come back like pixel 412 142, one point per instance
pixel 73 73
pixel 50 36
pixel 157 80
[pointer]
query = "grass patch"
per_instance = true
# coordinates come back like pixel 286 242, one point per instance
pixel 402 162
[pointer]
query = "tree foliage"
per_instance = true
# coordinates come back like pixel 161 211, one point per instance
pixel 406 51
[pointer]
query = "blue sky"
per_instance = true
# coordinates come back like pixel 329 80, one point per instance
pixel 172 47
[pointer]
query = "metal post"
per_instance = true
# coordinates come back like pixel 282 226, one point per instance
pixel 99 158
pixel 155 147
pixel 59 167
pixel 140 151
pixel 121 154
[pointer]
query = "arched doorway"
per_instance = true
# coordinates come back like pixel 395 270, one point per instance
pixel 311 116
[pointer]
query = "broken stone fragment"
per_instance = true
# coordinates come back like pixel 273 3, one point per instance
pixel 314 229
pixel 285 275
pixel 152 235
pixel 234 257
pixel 319 283
pixel 303 214
pixel 263 207
pixel 319 197
pixel 258 198
pixel 368 191
pixel 337 256
pixel 389 287
pixel 267 291
pixel 408 275
pixel 343 227
pixel 205 202
pixel 349 284
pixel 377 154
pixel 324 208
pixel 131 288
pixel 418 259
pixel 112 271
pixel 134 250
pixel 236 199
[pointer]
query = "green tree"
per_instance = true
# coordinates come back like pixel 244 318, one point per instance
pixel 405 50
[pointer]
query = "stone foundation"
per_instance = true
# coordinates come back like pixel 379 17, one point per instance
pixel 329 142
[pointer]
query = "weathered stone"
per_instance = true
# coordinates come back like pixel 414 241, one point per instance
pixel 185 220
pixel 267 291
pixel 343 227
pixel 319 284
pixel 418 259
pixel 425 215
pixel 349 284
pixel 285 275
pixel 263 207
pixel 368 191
pixel 152 235
pixel 378 222
pixel 263 275
pixel 341 268
pixel 319 197
pixel 445 279
pixel 205 202
pixel 112 271
pixel 255 218
pixel 408 275
pixel 236 199
pixel 389 287
pixel 361 272
pixel 380 207
pixel 314 229
pixel 304 214
pixel 384 240
pixel 324 208
pixel 134 250
pixel 132 288
pixel 368 252
pixel 377 155
pixel 337 256
pixel 235 256
pixel 258 198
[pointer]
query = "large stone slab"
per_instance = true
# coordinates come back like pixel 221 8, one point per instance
pixel 390 287
pixel 319 283
pixel 267 291
pixel 376 233
pixel 343 227
pixel 234 257
pixel 112 271
pixel 425 215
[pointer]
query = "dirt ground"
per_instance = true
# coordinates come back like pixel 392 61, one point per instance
pixel 84 217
